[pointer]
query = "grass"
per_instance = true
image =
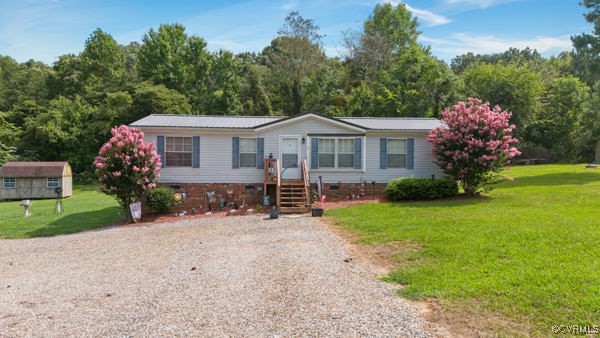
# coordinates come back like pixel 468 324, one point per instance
pixel 530 252
pixel 86 209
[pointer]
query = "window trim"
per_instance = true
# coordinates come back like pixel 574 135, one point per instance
pixel 255 152
pixel 387 153
pixel 336 153
pixel 191 152
pixel 53 186
pixel 14 183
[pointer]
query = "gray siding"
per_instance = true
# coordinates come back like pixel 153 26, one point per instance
pixel 216 145
pixel 215 159
pixel 299 129
pixel 424 165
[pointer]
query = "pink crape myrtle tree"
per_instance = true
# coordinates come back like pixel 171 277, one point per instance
pixel 474 145
pixel 127 167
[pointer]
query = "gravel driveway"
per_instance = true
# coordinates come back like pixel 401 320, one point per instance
pixel 231 276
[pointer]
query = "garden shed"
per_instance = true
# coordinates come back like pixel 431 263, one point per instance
pixel 30 180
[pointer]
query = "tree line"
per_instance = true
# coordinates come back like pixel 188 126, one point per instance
pixel 66 111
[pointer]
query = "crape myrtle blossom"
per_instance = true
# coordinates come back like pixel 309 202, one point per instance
pixel 127 166
pixel 474 143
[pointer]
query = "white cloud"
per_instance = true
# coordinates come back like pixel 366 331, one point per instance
pixel 462 43
pixel 430 18
pixel 289 6
pixel 36 30
pixel 478 3
pixel 335 51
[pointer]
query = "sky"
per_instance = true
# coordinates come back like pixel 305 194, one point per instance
pixel 45 29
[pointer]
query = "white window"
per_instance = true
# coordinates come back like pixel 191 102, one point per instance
pixel 396 153
pixel 9 183
pixel 179 152
pixel 247 153
pixel 326 153
pixel 53 182
pixel 345 153
pixel 336 153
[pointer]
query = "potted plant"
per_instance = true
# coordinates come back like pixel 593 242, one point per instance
pixel 317 207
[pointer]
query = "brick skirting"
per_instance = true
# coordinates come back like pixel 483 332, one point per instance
pixel 250 195
pixel 231 195
pixel 343 190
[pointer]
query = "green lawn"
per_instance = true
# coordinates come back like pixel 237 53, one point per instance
pixel 86 209
pixel 530 252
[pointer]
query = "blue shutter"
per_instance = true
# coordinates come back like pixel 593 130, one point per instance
pixel 160 149
pixel 260 153
pixel 383 153
pixel 235 153
pixel 357 153
pixel 410 153
pixel 314 153
pixel 195 151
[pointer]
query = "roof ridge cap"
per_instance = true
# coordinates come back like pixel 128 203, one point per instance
pixel 227 116
pixel 387 117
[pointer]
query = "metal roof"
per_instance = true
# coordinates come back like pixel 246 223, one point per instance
pixel 250 122
pixel 33 169
pixel 203 121
pixel 394 123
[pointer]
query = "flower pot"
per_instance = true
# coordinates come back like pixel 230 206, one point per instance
pixel 317 212
pixel 273 214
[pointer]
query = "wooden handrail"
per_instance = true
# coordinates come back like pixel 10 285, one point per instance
pixel 270 173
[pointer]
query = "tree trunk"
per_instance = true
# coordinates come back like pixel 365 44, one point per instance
pixel 469 189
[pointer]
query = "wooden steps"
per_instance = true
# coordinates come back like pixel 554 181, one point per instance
pixel 293 197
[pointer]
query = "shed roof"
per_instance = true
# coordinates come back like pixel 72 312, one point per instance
pixel 33 169
pixel 252 122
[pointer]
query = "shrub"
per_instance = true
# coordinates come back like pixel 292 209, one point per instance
pixel 160 199
pixel 402 189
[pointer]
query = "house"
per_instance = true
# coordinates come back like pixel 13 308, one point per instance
pixel 242 158
pixel 27 180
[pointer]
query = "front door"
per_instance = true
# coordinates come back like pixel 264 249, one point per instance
pixel 290 158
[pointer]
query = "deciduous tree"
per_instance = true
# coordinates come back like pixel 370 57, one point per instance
pixel 558 124
pixel 127 166
pixel 475 142
pixel 587 46
pixel 386 33
pixel 517 89
pixel 293 59
pixel 9 136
